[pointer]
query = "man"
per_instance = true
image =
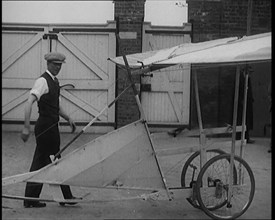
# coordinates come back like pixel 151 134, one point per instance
pixel 46 93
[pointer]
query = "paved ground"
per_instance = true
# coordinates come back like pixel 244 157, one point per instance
pixel 16 159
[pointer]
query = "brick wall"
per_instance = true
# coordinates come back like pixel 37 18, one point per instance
pixel 129 16
pixel 213 19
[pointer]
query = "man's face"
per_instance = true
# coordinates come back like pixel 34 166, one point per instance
pixel 54 68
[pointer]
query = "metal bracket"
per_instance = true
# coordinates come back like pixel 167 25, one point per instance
pixel 146 87
pixel 50 36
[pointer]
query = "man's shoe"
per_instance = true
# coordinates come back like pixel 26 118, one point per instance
pixel 34 204
pixel 69 203
pixel 250 141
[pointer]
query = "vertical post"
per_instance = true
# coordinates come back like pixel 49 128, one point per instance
pixel 145 123
pixel 248 32
pixel 244 113
pixel 243 125
pixel 235 112
pixel 202 134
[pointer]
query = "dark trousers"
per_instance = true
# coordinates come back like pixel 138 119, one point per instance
pixel 47 143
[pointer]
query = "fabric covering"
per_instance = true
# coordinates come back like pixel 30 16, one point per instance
pixel 233 49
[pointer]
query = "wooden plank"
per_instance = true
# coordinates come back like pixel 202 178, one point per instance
pixel 181 193
pixel 209 131
pixel 244 112
pixel 83 84
pixel 7 63
pixel 165 124
pixel 222 130
pixel 201 131
pixel 175 106
pixel 235 113
pixel 214 144
pixel 17 83
pixel 111 73
pixel 11 105
pixel 149 28
pixel 89 63
pixel 176 151
pixel 173 87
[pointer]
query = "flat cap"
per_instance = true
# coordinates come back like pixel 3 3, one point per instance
pixel 55 57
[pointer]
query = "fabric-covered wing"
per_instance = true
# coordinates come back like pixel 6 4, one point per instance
pixel 233 49
pixel 250 48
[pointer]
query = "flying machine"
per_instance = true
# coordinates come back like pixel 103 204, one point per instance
pixel 222 185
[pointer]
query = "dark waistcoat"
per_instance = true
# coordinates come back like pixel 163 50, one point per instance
pixel 48 105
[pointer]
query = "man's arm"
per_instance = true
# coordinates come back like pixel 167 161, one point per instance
pixel 64 115
pixel 28 109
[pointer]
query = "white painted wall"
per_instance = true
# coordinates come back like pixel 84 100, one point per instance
pixel 158 12
pixel 166 12
pixel 72 12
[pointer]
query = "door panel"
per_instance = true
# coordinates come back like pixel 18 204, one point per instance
pixel 22 53
pixel 87 68
pixel 168 99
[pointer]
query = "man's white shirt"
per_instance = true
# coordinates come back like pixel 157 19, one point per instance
pixel 40 86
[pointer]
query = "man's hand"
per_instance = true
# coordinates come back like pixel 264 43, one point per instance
pixel 73 126
pixel 25 134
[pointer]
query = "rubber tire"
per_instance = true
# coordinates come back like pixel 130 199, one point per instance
pixel 199 182
pixel 186 165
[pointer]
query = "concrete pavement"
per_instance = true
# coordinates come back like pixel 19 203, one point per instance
pixel 17 156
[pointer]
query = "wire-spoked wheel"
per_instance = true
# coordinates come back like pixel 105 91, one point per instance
pixel 191 168
pixel 190 172
pixel 212 187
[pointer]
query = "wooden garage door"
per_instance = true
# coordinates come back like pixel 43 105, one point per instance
pixel 86 48
pixel 165 95
pixel 23 48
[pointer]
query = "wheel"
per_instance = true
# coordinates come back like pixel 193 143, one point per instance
pixel 214 193
pixel 191 170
